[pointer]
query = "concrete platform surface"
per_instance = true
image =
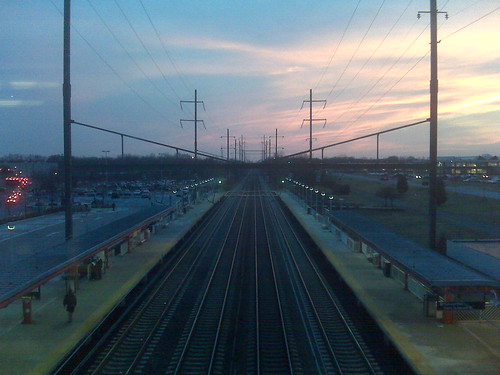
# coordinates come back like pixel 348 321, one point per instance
pixel 428 345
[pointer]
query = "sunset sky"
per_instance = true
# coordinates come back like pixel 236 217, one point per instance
pixel 252 63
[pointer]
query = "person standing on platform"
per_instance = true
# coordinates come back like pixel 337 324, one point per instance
pixel 70 303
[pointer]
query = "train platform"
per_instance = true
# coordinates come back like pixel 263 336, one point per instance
pixel 428 345
pixel 37 347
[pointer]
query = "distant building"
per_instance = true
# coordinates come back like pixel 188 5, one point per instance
pixel 474 165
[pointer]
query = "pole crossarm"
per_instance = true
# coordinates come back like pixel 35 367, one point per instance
pixel 314 119
pixel 195 102
pixel 358 138
pixel 183 120
pixel 146 140
pixel 311 119
pixel 314 101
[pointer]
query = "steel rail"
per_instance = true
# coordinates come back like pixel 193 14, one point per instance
pixel 309 331
pixel 169 305
pixel 257 325
pixel 214 219
pixel 327 290
pixel 203 298
pixel 276 288
pixel 229 279
pixel 310 299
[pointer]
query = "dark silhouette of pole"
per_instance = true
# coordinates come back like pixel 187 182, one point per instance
pixel 378 144
pixel 433 125
pixel 433 129
pixel 227 136
pixel 195 124
pixel 310 123
pixel 122 146
pixel 68 217
pixel 276 145
pixel 195 102
pixel 311 119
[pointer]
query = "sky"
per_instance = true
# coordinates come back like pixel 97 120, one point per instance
pixel 253 64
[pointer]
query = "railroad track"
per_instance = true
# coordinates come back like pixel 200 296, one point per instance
pixel 242 296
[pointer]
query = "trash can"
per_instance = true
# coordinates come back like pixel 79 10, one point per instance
pixel 387 268
pixel 27 311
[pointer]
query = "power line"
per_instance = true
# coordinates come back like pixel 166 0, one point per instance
pixel 471 23
pixel 113 69
pixel 418 61
pixel 376 48
pixel 356 50
pixel 164 48
pixel 115 37
pixel 146 49
pixel 383 75
pixel 338 44
pixel 386 92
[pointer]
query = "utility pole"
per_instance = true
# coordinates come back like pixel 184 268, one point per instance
pixel 242 149
pixel 122 145
pixel 106 153
pixel 311 119
pixel 433 123
pixel 195 102
pixel 269 144
pixel 68 200
pixel 276 145
pixel 227 139
pixel 266 147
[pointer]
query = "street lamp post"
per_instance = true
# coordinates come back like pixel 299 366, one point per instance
pixel 323 204
pixel 311 196
pixel 11 227
pixel 330 198
pixel 105 190
pixel 316 202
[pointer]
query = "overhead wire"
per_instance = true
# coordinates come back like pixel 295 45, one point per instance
pixel 181 76
pixel 338 45
pixel 471 23
pixel 383 75
pixel 117 40
pixel 357 48
pixel 417 62
pixel 395 83
pixel 376 48
pixel 111 67
pixel 146 49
